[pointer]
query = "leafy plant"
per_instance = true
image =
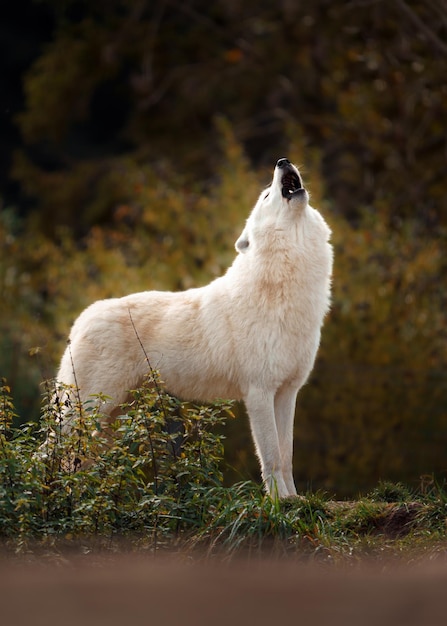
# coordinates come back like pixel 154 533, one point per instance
pixel 138 474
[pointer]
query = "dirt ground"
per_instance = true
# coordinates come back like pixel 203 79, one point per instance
pixel 134 591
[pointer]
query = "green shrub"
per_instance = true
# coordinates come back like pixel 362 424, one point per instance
pixel 133 477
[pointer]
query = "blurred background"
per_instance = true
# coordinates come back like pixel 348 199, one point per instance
pixel 135 138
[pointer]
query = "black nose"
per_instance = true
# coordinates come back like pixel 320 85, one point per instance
pixel 282 162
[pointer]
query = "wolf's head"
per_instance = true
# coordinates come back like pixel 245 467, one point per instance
pixel 279 205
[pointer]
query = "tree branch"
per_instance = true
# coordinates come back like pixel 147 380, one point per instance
pixel 428 32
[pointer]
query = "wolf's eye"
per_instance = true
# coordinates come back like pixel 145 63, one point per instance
pixel 266 195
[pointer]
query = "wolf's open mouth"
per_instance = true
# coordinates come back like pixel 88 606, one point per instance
pixel 291 183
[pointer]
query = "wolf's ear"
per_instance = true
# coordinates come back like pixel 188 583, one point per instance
pixel 242 244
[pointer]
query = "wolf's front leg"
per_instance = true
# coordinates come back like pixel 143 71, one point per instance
pixel 285 400
pixel 260 408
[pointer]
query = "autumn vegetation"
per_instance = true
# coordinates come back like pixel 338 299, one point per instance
pixel 145 133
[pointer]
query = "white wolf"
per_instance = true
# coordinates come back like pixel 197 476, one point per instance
pixel 251 334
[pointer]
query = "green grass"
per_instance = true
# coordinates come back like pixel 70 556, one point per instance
pixel 137 487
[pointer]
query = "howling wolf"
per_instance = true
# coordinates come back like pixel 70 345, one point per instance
pixel 251 334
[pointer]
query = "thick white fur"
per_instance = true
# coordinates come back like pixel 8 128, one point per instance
pixel 251 334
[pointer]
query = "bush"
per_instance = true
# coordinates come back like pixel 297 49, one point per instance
pixel 134 477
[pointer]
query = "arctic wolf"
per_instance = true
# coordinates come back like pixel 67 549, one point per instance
pixel 251 334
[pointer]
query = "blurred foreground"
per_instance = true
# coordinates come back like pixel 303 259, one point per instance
pixel 135 590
